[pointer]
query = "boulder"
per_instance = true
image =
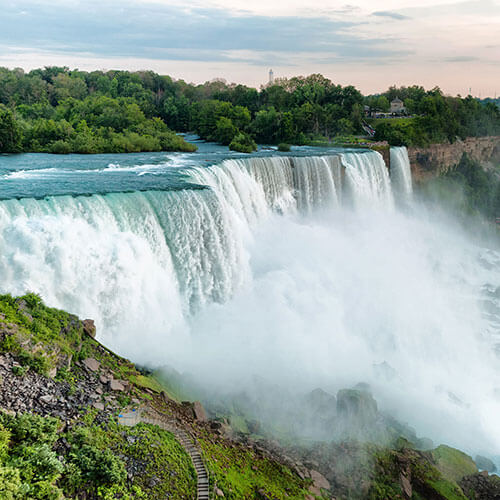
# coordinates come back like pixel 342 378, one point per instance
pixel 89 327
pixel 319 481
pixel 92 364
pixel 116 385
pixel 406 487
pixel 47 399
pixel 199 412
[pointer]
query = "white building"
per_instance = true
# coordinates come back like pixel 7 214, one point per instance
pixel 397 106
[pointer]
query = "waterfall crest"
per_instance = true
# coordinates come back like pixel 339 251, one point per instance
pixel 367 180
pixel 401 173
pixel 195 237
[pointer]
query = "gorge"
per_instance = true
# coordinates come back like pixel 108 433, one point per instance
pixel 316 269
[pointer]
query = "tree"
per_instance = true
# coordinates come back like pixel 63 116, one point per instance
pixel 10 134
pixel 225 131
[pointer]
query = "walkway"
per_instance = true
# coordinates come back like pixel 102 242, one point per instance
pixel 150 416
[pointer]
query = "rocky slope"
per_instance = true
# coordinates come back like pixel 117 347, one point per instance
pixel 62 394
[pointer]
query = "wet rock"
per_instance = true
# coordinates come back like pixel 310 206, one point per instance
pixel 199 412
pixel 92 364
pixel 116 385
pixel 47 399
pixel 89 327
pixel 319 481
pixel 406 487
pixel 481 486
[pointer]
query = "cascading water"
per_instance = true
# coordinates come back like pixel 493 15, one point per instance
pixel 260 267
pixel 401 173
pixel 367 180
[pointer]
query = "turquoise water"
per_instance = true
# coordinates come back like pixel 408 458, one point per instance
pixel 36 175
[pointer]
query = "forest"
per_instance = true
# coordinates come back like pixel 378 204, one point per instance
pixel 58 110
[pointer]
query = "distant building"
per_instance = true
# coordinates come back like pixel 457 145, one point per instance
pixel 271 77
pixel 397 106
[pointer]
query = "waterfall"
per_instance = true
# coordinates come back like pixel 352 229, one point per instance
pixel 401 173
pixel 236 271
pixel 190 243
pixel 367 180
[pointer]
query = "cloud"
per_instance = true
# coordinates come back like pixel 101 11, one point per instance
pixel 390 14
pixel 459 59
pixel 174 32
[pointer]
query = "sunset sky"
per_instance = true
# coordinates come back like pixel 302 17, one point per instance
pixel 455 45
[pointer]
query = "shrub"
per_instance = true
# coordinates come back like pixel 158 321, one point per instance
pixel 99 467
pixel 60 147
pixel 243 143
pixel 30 428
pixel 10 484
pixel 37 463
pixel 283 147
pixel 20 371
pixel 4 443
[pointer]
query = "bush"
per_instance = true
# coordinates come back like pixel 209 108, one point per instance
pixel 283 147
pixel 243 143
pixel 4 443
pixel 37 463
pixel 98 467
pixel 60 147
pixel 30 428
pixel 10 484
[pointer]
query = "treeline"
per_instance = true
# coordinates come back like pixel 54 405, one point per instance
pixel 435 118
pixel 55 110
pixel 58 110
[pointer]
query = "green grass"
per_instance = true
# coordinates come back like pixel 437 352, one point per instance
pixel 242 474
pixel 428 481
pixel 453 464
pixel 402 121
pixel 39 336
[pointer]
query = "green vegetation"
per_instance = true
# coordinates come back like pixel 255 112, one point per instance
pixel 453 464
pixel 426 479
pixel 60 111
pixel 436 118
pixel 90 460
pixel 39 336
pixel 243 143
pixel 468 188
pixel 241 473
pixel 284 147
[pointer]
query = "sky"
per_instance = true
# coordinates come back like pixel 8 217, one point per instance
pixel 366 43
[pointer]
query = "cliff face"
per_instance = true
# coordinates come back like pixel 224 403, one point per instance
pixel 438 158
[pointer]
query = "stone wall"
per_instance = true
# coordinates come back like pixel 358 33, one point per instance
pixel 438 158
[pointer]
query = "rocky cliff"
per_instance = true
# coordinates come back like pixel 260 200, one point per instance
pixel 438 158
